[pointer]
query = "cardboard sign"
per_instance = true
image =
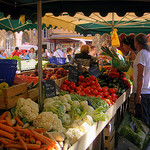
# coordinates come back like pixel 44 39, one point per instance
pixel 94 70
pixel 73 74
pixel 50 89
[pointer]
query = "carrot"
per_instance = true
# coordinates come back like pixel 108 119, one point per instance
pixel 4 141
pixel 40 130
pixel 6 134
pixel 19 146
pixel 44 146
pixel 2 121
pixel 40 137
pixel 19 121
pixel 32 146
pixel 2 145
pixel 8 121
pixel 21 141
pixel 7 128
pixel 32 140
pixel 38 142
pixel 3 115
pixel 27 140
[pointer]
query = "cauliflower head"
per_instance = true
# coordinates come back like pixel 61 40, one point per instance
pixel 27 108
pixel 49 121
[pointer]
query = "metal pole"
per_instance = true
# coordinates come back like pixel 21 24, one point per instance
pixel 112 21
pixel 39 23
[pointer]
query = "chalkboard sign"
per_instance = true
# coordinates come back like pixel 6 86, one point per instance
pixel 50 89
pixel 94 70
pixel 73 74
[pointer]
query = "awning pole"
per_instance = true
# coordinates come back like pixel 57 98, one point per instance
pixel 112 21
pixel 39 25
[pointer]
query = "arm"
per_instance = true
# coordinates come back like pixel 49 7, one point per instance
pixel 140 80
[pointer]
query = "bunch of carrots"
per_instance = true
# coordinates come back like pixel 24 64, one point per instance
pixel 19 138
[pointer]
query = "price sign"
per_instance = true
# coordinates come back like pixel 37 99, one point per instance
pixel 50 89
pixel 73 74
pixel 94 70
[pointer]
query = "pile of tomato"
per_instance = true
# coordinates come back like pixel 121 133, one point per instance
pixel 89 86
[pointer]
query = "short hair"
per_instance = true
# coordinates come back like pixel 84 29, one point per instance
pixel 32 48
pixel 85 49
pixel 92 47
pixel 129 40
pixel 16 48
pixel 69 49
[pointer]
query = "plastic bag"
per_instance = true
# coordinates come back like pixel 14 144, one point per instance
pixel 114 38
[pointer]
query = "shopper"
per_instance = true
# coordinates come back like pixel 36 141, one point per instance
pixel 141 76
pixel 26 55
pixel 69 54
pixel 93 51
pixel 16 52
pixel 1 54
pixel 59 52
pixel 128 46
pixel 32 54
pixel 81 43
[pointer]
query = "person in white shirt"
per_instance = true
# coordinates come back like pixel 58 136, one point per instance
pixel 141 76
pixel 58 52
pixel 81 43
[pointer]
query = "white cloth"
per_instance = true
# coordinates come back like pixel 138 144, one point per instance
pixel 77 51
pixel 143 58
pixel 58 53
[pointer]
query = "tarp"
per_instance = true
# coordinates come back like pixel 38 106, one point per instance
pixel 95 23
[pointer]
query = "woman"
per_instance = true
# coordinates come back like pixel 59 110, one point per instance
pixel 141 76
pixel 69 54
pixel 128 46
pixel 26 55
pixel 2 55
pixel 44 54
pixel 83 58
pixel 32 54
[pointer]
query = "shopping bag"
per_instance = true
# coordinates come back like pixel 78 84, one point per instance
pixel 114 38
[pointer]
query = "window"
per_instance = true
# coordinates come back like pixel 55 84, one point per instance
pixel 25 37
pixel 9 42
pixel 45 33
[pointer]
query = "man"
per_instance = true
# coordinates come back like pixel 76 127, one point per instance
pixel 81 43
pixel 58 52
pixel 16 52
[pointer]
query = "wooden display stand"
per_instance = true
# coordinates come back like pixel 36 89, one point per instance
pixel 11 95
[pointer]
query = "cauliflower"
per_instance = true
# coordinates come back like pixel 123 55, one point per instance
pixel 49 121
pixel 75 103
pixel 27 108
pixel 63 99
pixel 68 97
pixel 68 106
pixel 47 100
pixel 73 135
pixel 66 119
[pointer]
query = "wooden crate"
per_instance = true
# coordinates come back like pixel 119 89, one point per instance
pixel 11 95
pixel 60 81
pixel 132 104
pixel 109 139
pixel 33 94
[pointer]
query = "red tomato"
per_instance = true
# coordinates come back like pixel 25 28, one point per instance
pixel 83 84
pixel 106 94
pixel 99 89
pixel 108 102
pixel 111 90
pixel 81 78
pixel 92 78
pixel 95 92
pixel 78 89
pixel 109 97
pixel 66 81
pixel 99 96
pixel 79 83
pixel 73 86
pixel 93 87
pixel 115 89
pixel 78 92
pixel 82 94
pixel 68 88
pixel 96 81
pixel 101 93
pixel 87 79
pixel 92 82
pixel 71 91
pixel 105 89
pixel 64 87
pixel 114 95
pixel 114 99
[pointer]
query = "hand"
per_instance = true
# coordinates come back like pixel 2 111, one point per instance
pixel 138 99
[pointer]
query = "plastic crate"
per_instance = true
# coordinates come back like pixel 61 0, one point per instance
pixel 57 60
pixel 8 70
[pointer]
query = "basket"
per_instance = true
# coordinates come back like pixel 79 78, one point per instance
pixel 8 68
pixel 119 65
pixel 57 60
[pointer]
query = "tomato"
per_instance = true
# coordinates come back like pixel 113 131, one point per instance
pixel 93 87
pixel 68 88
pixel 115 89
pixel 64 87
pixel 105 89
pixel 108 102
pixel 109 97
pixel 82 94
pixel 87 79
pixel 73 86
pixel 106 94
pixel 83 84
pixel 66 81
pixel 114 95
pixel 99 88
pixel 112 90
pixel 71 91
pixel 114 99
pixel 79 83
pixel 92 78
pixel 95 92
pixel 81 78
pixel 99 96
pixel 78 89
pixel 92 82
pixel 78 92
pixel 88 83
pixel 96 81
pixel 101 93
